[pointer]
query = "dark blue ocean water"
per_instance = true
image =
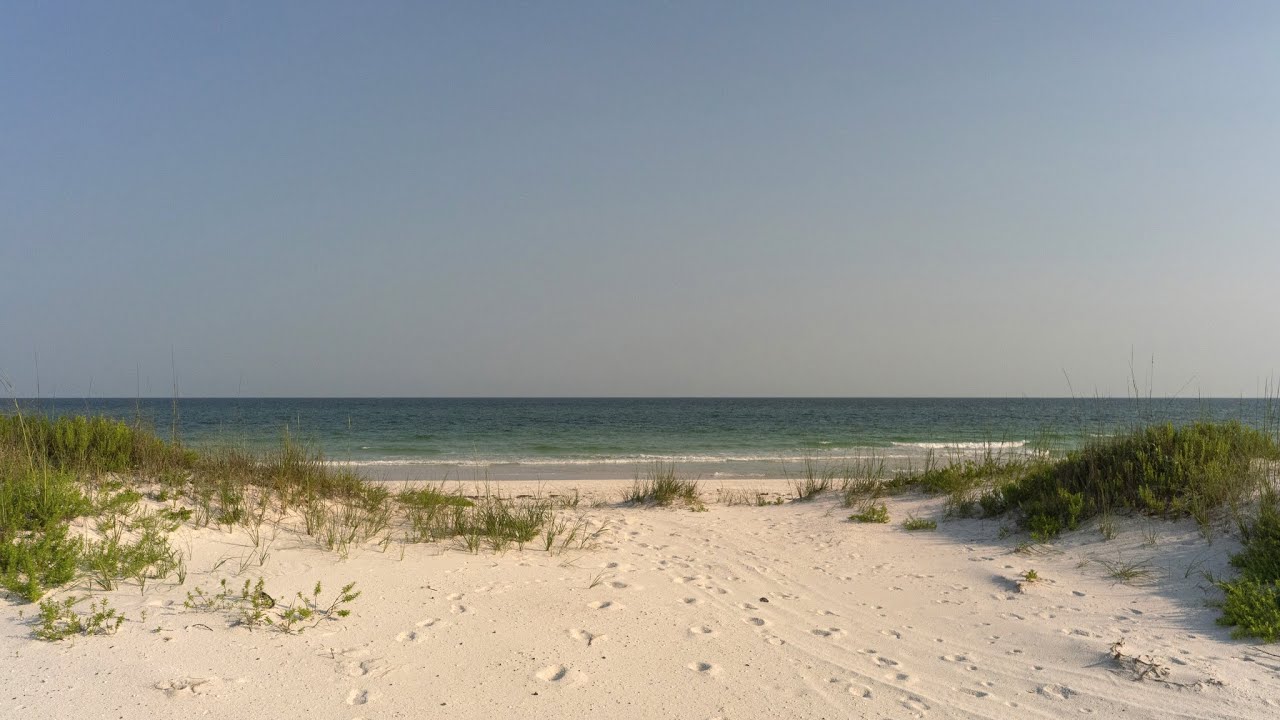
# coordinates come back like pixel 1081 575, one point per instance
pixel 575 437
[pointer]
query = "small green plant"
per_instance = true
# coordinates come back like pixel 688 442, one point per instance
pixel 915 524
pixel 1031 576
pixel 874 513
pixel 308 612
pixel 59 620
pixel 254 607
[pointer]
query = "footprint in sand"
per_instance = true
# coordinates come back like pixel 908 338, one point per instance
pixel 357 697
pixel 692 601
pixel 854 689
pixel 915 704
pixel 827 632
pixel 180 686
pixel 429 622
pixel 585 636
pixel 704 668
pixel 366 667
pixel 702 630
pixel 975 693
pixel 560 675
pixel 757 621
pixel 458 609
pixel 1055 692
pixel 453 596
pixel 604 605
pixel 409 636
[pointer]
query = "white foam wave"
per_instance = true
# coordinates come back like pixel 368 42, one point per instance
pixel 959 445
pixel 626 460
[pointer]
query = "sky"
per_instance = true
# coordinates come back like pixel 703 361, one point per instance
pixel 639 199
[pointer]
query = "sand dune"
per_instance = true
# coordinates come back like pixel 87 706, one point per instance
pixel 785 611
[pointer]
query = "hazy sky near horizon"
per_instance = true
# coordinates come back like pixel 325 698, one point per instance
pixel 421 199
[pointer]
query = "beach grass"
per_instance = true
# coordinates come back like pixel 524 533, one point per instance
pixel 814 480
pixel 661 485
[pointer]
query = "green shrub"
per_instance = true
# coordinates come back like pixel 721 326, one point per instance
pixel 35 506
pixel 872 514
pixel 97 444
pixel 1252 601
pixel 1160 469
pixel 1253 607
pixel 914 524
pixel 59 620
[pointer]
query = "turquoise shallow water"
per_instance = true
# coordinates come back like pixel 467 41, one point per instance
pixel 431 438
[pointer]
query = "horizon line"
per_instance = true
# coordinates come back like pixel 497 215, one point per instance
pixel 642 397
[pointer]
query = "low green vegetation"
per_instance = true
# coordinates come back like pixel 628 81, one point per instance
pixel 126 490
pixel 253 607
pixel 814 481
pixel 873 513
pixel 60 620
pixel 1161 470
pixel 660 485
pixel 93 501
pixel 36 506
pixel 915 524
pixel 1251 602
pixel 95 444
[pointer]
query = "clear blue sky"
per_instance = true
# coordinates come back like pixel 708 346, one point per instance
pixel 890 198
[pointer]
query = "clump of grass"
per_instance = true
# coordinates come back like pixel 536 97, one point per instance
pixel 661 486
pixel 1161 470
pixel 730 497
pixel 915 524
pixel 1107 524
pixel 873 513
pixel 1128 572
pixel 815 480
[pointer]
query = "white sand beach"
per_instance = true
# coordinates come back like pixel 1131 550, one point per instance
pixel 737 612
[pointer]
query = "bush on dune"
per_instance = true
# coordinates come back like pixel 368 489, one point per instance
pixel 1162 470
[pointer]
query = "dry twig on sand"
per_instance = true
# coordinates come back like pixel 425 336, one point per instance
pixel 1145 667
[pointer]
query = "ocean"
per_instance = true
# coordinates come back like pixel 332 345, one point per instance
pixel 570 438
